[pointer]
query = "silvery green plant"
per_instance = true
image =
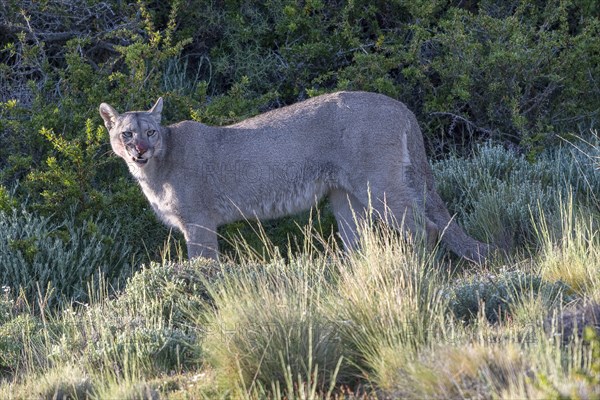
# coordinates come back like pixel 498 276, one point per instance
pixel 57 261
pixel 497 193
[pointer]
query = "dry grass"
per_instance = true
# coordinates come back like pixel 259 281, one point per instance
pixel 377 323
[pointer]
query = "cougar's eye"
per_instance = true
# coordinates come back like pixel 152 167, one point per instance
pixel 127 134
pixel 151 133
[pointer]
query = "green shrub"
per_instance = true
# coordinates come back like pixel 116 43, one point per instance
pixel 147 330
pixel 54 263
pixel 51 145
pixel 494 295
pixel 7 201
pixel 497 194
pixel 498 73
pixel 179 289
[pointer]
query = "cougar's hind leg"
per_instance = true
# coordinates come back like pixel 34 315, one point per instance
pixel 397 205
pixel 348 212
pixel 403 214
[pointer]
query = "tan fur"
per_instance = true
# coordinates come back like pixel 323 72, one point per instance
pixel 357 148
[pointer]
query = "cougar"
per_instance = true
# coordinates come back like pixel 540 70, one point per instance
pixel 361 150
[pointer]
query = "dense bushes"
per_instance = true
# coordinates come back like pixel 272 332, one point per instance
pixel 519 72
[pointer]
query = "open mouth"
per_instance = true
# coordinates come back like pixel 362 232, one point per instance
pixel 140 161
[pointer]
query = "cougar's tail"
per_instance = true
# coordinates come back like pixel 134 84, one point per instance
pixel 453 236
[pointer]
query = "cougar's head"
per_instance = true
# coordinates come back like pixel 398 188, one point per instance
pixel 135 136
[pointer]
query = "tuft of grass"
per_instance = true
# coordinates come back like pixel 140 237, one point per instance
pixel 64 382
pixel 387 300
pixel 268 328
pixel 570 253
pixel 22 345
pixel 137 390
pixel 459 371
pixel 323 318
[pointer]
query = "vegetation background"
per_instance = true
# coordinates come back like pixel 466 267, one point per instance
pixel 97 303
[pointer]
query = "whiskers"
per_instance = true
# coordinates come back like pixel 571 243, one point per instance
pixel 158 149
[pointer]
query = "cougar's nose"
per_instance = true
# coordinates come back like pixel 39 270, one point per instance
pixel 141 148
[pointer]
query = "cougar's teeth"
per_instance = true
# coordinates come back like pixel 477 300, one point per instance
pixel 140 161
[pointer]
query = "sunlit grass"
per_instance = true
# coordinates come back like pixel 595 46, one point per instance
pixel 391 319
pixel 572 254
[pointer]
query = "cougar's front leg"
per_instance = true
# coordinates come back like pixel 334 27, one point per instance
pixel 201 241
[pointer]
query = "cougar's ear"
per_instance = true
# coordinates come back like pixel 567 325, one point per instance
pixel 156 110
pixel 109 115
